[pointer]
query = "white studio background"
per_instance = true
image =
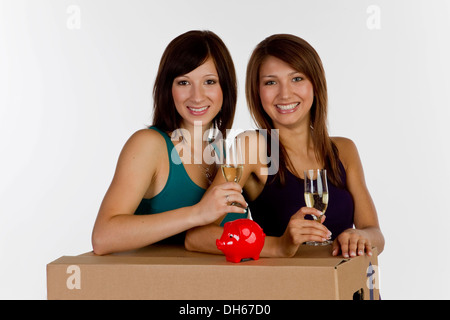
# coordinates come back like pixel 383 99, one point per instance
pixel 76 79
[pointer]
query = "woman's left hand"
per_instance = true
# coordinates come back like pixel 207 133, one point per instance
pixel 352 242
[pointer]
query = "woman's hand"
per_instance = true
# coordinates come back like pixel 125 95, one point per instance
pixel 216 202
pixel 300 230
pixel 352 242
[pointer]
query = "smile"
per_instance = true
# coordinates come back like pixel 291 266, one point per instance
pixel 287 107
pixel 198 111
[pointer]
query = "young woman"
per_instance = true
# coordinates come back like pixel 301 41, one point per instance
pixel 157 190
pixel 286 90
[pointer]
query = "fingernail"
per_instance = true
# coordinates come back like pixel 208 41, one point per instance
pixel 334 252
pixel 360 252
pixel 352 254
pixel 370 253
pixel 345 255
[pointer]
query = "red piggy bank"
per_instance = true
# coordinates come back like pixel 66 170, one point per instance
pixel 241 239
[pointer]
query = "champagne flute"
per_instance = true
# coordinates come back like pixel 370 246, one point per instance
pixel 232 164
pixel 316 196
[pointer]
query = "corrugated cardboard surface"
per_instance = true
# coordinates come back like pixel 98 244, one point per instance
pixel 168 272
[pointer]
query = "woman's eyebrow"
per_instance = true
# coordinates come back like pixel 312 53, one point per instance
pixel 211 74
pixel 289 74
pixel 206 75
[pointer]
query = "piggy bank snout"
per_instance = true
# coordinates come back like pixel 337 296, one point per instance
pixel 220 244
pixel 224 242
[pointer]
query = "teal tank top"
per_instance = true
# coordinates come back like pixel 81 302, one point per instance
pixel 179 191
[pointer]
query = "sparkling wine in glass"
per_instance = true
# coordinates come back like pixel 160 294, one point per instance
pixel 232 173
pixel 232 164
pixel 316 196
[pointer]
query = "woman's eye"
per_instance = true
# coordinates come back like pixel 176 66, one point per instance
pixel 297 79
pixel 183 83
pixel 269 83
pixel 210 81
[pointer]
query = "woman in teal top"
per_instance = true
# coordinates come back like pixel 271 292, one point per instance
pixel 159 187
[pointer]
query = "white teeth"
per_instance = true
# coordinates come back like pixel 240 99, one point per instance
pixel 287 107
pixel 198 109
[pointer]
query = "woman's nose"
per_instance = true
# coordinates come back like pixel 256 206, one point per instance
pixel 197 93
pixel 285 91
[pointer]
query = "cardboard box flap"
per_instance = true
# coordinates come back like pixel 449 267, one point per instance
pixel 212 261
pixel 202 259
pixel 161 254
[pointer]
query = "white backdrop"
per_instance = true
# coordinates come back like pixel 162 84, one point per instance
pixel 76 79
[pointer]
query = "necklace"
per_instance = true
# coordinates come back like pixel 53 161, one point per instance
pixel 208 170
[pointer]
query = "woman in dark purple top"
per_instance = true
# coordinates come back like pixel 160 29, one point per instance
pixel 287 97
pixel 277 203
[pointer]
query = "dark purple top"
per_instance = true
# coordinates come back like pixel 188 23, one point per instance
pixel 276 204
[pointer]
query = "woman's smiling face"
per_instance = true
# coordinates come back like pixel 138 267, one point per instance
pixel 198 95
pixel 286 94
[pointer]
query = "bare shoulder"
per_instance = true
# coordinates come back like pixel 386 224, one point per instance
pixel 344 144
pixel 146 141
pixel 147 136
pixel 248 133
pixel 348 152
pixel 145 148
pixel 256 159
pixel 255 146
pixel 254 140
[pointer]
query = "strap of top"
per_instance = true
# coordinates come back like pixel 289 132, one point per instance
pixel 177 172
pixel 174 157
pixel 166 137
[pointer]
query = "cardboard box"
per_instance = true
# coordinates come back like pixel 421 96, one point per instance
pixel 171 272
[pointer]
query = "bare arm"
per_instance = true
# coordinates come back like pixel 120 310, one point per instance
pixel 138 170
pixel 367 232
pixel 116 227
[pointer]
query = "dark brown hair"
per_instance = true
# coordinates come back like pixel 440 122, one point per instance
pixel 184 54
pixel 301 56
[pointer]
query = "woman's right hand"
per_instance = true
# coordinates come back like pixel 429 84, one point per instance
pixel 300 230
pixel 216 202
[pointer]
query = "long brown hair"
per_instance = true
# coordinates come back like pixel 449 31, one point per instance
pixel 301 56
pixel 184 54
